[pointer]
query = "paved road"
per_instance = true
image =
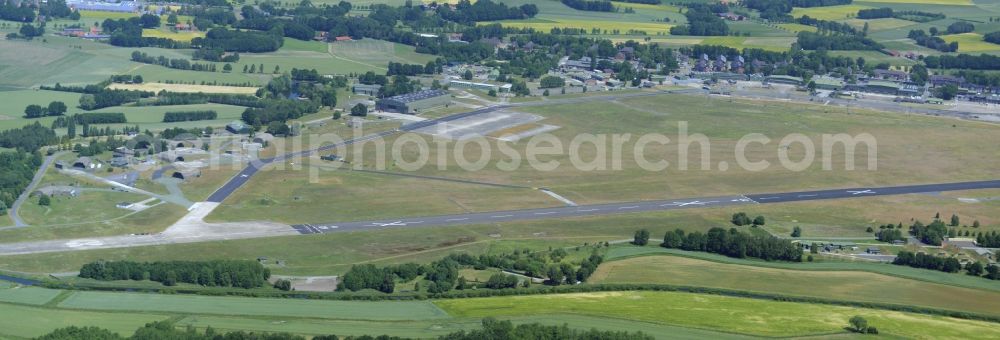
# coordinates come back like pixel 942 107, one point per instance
pixel 643 206
pixel 18 222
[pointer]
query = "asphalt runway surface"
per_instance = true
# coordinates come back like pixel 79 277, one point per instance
pixel 642 206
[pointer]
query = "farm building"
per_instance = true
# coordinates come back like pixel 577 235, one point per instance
pixel 82 163
pixel 411 103
pixel 790 80
pixel 123 6
pixel 479 86
pixel 365 89
pixel 186 174
pixel 237 127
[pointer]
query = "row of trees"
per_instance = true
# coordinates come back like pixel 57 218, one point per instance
pixel 176 63
pixel 835 42
pixel 778 10
pixel 932 42
pixel 108 98
pixel 395 68
pixel 875 13
pixel 590 5
pixel 992 37
pixel 491 329
pixel 187 116
pixel 215 54
pixel 964 61
pixel 734 243
pixel 222 273
pixel 29 138
pixel 55 108
pixel 946 264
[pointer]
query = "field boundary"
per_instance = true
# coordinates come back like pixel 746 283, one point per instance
pixel 664 252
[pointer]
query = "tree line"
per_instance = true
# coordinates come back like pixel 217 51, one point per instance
pixel 467 12
pixel 490 329
pixel 29 138
pixel 187 116
pixel 875 13
pixel 108 98
pixel 964 61
pixel 177 98
pixel 734 243
pixel 835 42
pixel 221 273
pixel 590 5
pixel 55 108
pixel 778 10
pixel 946 264
pixel 175 63
pixel 931 41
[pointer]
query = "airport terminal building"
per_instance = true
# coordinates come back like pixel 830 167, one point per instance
pixel 411 103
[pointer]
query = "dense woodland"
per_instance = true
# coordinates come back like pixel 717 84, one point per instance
pixel 734 243
pixel 590 5
pixel 221 273
pixel 443 274
pixel 778 10
pixel 187 116
pixel 701 21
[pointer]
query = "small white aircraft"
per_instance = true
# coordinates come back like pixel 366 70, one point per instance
pixel 859 192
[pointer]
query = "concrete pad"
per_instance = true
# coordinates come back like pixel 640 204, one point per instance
pixel 479 125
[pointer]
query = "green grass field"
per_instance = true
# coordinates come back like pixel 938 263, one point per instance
pixel 28 322
pixel 90 206
pixel 844 285
pixel 27 295
pixel 747 316
pixel 196 304
pixel 185 36
pixel 829 12
pixel 837 264
pixel 971 42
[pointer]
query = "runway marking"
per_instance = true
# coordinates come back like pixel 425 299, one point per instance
pixel 684 204
pixel 587 210
pixel 456 219
pixel 390 224
pixel 768 198
pixel 501 216
pixel 629 207
pixel 545 213
pixel 858 192
pixel 810 195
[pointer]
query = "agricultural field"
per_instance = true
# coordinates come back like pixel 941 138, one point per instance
pixel 829 12
pixel 172 35
pixel 606 27
pixel 185 88
pixel 876 25
pixel 971 43
pixel 28 322
pixel 347 310
pixel 745 316
pixel 837 285
pixel 924 2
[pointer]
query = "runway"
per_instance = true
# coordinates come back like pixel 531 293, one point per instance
pixel 641 206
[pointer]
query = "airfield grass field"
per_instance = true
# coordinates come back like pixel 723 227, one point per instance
pixel 747 316
pixel 343 195
pixel 90 206
pixel 326 254
pixel 838 285
pixel 925 2
pixel 27 295
pixel 952 157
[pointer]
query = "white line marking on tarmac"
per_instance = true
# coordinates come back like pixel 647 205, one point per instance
pixel 629 207
pixel 456 219
pixel 587 210
pixel 501 216
pixel 545 213
pixel 810 195
pixel 768 198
